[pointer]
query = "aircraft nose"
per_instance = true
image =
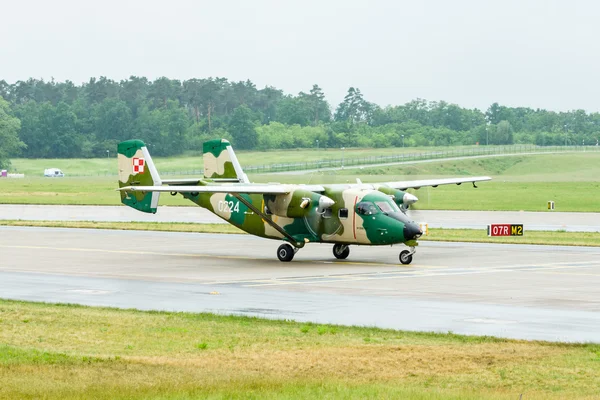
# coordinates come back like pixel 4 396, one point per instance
pixel 412 231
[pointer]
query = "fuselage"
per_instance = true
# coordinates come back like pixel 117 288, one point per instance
pixel 357 216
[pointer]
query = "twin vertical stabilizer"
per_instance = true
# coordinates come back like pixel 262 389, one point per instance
pixel 137 169
pixel 220 162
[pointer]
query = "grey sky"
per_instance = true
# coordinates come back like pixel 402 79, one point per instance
pixel 531 53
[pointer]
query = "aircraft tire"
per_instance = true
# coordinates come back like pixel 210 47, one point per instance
pixel 341 251
pixel 285 253
pixel 405 257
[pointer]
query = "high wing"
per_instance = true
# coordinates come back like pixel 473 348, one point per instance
pixel 403 185
pixel 241 188
pixel 195 181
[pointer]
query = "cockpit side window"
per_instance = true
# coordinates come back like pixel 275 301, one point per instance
pixel 387 206
pixel 366 208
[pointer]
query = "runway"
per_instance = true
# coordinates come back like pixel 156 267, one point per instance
pixel 545 221
pixel 514 291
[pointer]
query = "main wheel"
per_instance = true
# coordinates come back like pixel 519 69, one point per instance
pixel 405 257
pixel 285 252
pixel 341 251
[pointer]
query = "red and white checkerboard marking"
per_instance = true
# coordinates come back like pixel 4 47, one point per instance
pixel 138 165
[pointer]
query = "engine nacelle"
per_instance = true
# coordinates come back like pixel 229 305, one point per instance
pixel 297 203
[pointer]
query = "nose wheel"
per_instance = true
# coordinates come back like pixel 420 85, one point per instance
pixel 341 251
pixel 285 253
pixel 406 256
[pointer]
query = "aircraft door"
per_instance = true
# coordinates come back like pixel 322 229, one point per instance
pixel 362 211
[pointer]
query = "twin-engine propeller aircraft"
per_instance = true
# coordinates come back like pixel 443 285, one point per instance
pixel 342 214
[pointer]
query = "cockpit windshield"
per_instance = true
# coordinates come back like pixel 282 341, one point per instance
pixel 366 208
pixel 387 207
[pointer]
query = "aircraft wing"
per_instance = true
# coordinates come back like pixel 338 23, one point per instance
pixel 193 181
pixel 249 189
pixel 188 181
pixel 435 182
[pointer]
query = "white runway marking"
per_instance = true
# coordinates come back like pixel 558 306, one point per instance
pixel 88 291
pixel 489 321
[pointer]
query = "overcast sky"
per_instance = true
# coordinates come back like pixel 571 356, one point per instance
pixel 534 53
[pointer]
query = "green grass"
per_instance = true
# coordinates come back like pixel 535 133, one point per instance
pixel 72 191
pixel 526 183
pixel 74 352
pixel 192 163
pixel 107 166
pixel 519 183
pixel 495 195
pixel 138 226
pixel 447 235
pixel 529 168
pixel 554 238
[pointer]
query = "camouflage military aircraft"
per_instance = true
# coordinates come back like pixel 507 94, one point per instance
pixel 341 214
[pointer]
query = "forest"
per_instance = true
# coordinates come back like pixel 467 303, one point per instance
pixel 49 119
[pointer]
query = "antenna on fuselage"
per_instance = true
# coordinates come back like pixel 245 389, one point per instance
pixel 311 176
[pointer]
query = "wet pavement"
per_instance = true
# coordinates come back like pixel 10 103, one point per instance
pixel 515 291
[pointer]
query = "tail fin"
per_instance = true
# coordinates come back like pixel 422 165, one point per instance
pixel 137 169
pixel 220 162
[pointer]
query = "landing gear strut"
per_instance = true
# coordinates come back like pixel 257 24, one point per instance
pixel 406 256
pixel 341 251
pixel 285 252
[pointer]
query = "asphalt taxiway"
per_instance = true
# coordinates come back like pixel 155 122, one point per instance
pixel 516 291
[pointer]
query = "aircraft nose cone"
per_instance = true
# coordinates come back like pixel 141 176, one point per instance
pixel 412 231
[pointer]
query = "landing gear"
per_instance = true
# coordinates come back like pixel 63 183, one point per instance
pixel 406 256
pixel 341 251
pixel 285 252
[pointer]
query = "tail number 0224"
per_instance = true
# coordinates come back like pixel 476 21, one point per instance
pixel 228 206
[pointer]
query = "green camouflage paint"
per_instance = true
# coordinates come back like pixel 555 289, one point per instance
pixel 295 212
pixel 217 161
pixel 381 229
pixel 127 154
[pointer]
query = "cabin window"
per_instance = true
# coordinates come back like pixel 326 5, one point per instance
pixel 365 208
pixel 327 213
pixel 343 213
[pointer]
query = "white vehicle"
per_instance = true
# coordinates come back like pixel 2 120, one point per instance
pixel 53 173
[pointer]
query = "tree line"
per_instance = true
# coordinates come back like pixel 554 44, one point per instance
pixel 43 119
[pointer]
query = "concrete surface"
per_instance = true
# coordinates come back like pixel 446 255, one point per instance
pixel 516 291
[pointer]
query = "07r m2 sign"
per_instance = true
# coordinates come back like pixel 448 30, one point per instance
pixel 505 230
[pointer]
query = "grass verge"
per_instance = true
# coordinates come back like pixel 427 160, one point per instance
pixel 193 162
pixel 495 195
pixel 444 235
pixel 72 352
pixel 137 226
pixel 519 183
